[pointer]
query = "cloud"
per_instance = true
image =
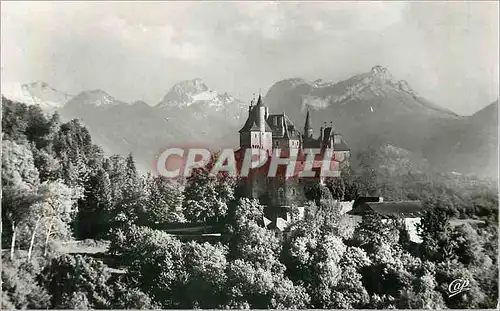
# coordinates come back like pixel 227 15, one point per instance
pixel 314 102
pixel 162 40
pixel 348 17
pixel 275 20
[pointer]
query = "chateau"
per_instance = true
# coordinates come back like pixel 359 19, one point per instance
pixel 267 131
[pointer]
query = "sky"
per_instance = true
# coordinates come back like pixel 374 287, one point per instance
pixel 447 51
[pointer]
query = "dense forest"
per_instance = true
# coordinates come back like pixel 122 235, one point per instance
pixel 58 187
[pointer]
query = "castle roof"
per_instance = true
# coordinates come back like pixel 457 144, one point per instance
pixel 286 132
pixel 259 101
pixel 324 140
pixel 312 143
pixel 326 137
pixel 255 127
pixel 251 123
pixel 289 128
pixel 308 122
pixel 342 146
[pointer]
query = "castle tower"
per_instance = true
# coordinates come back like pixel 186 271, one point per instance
pixel 308 131
pixel 256 133
pixel 261 114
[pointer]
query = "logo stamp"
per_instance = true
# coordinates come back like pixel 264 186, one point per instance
pixel 175 162
pixel 458 286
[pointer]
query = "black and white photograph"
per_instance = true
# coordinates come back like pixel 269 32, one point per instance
pixel 249 155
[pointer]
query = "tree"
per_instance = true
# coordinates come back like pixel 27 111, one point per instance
pixel 49 167
pixel 132 202
pixel 115 167
pixel 258 245
pixel 125 297
pixel 316 256
pixel 20 289
pixel 95 208
pixel 19 184
pixel 343 188
pixel 424 292
pixel 246 211
pixel 18 167
pixel 374 231
pixel 54 213
pixel 164 201
pixel 252 286
pixel 366 174
pixel 206 197
pixel 37 126
pixel 73 147
pixel 76 281
pixel 317 193
pixel 325 216
pixel 349 292
pixel 466 244
pixel 14 121
pixel 155 262
pixel 205 265
pixel 314 260
pixel 435 230
pixel 474 297
pixel 128 195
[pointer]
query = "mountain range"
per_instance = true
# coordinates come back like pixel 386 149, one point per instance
pixel 36 93
pixel 190 114
pixel 369 109
pixel 374 109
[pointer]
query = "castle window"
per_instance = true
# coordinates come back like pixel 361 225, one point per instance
pixel 294 191
pixel 281 195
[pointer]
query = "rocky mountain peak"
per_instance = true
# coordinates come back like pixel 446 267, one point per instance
pixel 190 87
pixel 183 93
pixel 36 93
pixel 140 103
pixel 404 86
pixel 378 69
pixel 95 97
pixel 37 84
pixel 97 92
pixel 290 83
pixel 197 94
pixel 381 73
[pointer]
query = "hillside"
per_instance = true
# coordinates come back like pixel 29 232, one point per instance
pixel 373 109
pixel 469 145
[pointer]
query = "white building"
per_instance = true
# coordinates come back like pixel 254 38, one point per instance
pixel 409 211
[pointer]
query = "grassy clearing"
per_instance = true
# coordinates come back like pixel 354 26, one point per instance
pixel 88 246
